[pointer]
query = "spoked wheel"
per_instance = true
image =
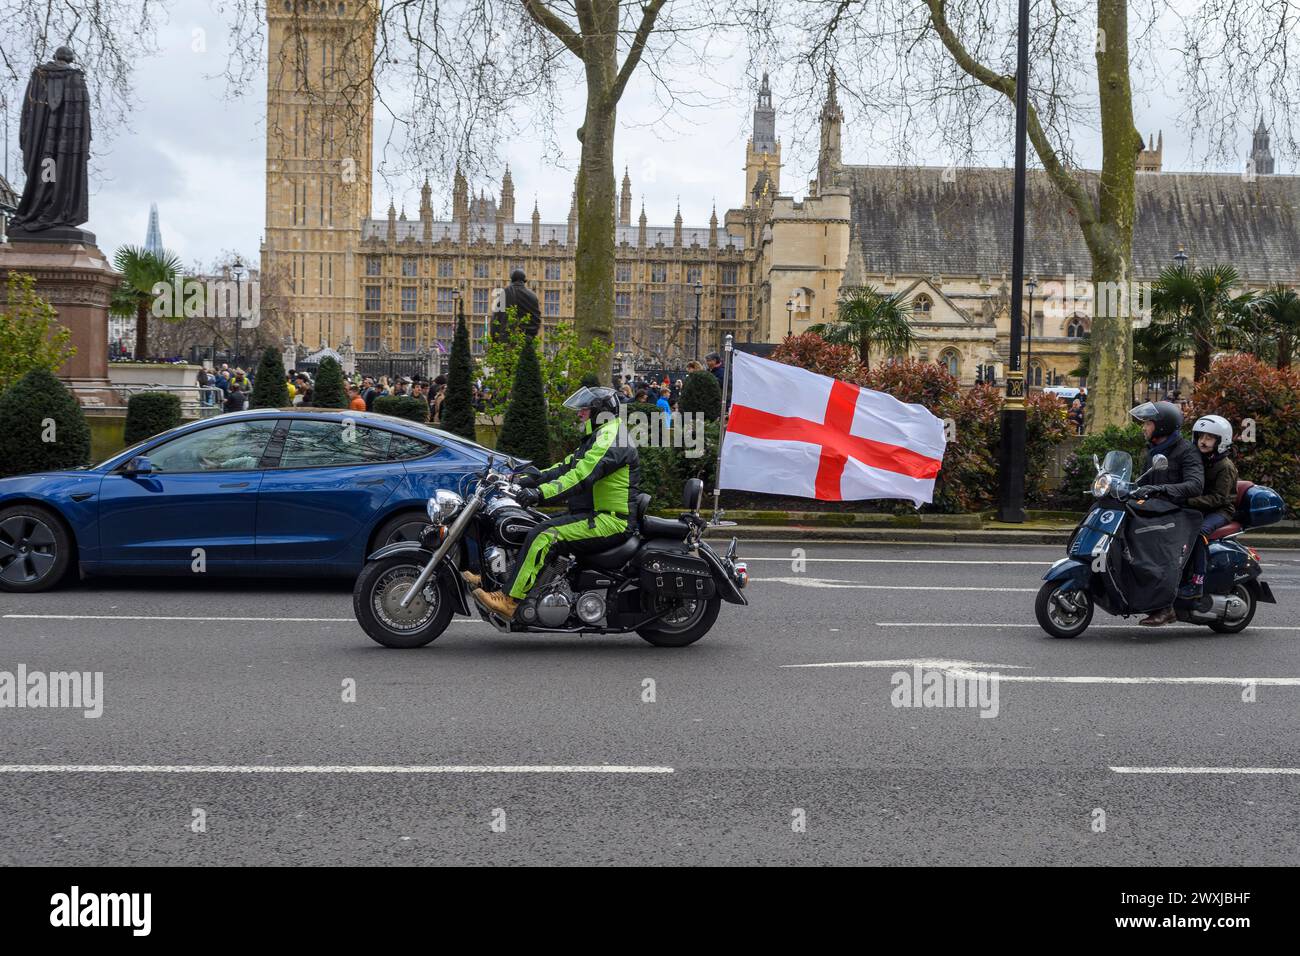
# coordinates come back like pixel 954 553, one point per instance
pixel 1238 624
pixel 686 623
pixel 376 601
pixel 1063 613
pixel 35 550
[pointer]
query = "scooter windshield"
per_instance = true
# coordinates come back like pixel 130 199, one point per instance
pixel 1119 464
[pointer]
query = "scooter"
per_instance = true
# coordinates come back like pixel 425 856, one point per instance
pixel 1093 572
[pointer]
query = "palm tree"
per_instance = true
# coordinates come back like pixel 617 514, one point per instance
pixel 1199 307
pixel 142 270
pixel 1156 349
pixel 867 316
pixel 1279 308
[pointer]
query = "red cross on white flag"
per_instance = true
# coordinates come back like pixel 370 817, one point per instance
pixel 794 432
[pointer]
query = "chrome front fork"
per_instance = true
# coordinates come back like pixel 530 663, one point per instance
pixel 453 535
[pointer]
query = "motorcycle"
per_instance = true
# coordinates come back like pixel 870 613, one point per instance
pixel 662 581
pixel 1098 573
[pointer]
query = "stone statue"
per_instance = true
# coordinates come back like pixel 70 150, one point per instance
pixel 54 135
pixel 526 306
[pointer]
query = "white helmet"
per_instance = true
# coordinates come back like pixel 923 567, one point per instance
pixel 1215 425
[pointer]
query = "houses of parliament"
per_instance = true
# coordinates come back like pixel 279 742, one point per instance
pixel 937 237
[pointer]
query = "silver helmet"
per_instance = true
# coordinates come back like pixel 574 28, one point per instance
pixel 1214 425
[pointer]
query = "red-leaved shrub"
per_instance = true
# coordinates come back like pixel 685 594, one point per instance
pixel 1241 388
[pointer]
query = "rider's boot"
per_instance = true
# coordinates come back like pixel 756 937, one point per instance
pixel 1193 588
pixel 1158 618
pixel 472 579
pixel 503 605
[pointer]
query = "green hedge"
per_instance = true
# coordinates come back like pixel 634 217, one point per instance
pixel 403 406
pixel 1080 471
pixel 149 414
pixel 42 426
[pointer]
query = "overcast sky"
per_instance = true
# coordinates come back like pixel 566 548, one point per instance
pixel 199 154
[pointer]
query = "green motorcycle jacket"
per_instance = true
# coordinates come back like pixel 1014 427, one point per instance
pixel 602 474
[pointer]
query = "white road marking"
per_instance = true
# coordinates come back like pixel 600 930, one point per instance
pixel 1180 770
pixel 1036 564
pixel 342 769
pixel 975 669
pixel 853 585
pixel 1033 564
pixel 1179 627
pixel 222 618
pixel 934 663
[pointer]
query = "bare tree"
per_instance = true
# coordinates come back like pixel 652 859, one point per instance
pixel 941 73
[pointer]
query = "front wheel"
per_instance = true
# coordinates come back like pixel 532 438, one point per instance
pixel 376 601
pixel 1243 622
pixel 1063 613
pixel 686 623
pixel 35 549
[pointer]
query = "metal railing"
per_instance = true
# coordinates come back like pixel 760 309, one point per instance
pixel 197 401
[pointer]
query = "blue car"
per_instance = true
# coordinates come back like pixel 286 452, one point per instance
pixel 290 492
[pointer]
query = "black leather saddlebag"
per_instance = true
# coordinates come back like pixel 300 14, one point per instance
pixel 670 570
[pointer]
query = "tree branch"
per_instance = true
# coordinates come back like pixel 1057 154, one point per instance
pixel 648 14
pixel 548 20
pixel 1063 179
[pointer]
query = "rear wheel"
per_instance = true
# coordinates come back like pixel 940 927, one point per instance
pixel 376 602
pixel 1063 613
pixel 686 623
pixel 35 549
pixel 1243 622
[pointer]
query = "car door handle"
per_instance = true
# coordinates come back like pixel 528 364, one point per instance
pixel 373 481
pixel 235 484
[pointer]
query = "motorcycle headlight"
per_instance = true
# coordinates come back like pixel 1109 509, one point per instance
pixel 443 505
pixel 1101 486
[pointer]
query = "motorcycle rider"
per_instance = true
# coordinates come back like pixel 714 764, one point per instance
pixel 1182 479
pixel 600 482
pixel 1213 437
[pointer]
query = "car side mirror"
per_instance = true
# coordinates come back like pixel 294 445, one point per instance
pixel 1159 463
pixel 139 465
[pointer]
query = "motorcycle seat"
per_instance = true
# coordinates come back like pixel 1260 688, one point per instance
pixel 652 527
pixel 608 558
pixel 1232 527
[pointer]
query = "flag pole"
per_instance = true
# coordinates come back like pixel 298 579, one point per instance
pixel 716 519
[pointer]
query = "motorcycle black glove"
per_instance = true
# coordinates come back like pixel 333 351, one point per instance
pixel 1146 491
pixel 528 477
pixel 528 497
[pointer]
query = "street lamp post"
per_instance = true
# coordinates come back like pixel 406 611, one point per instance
pixel 238 270
pixel 1180 257
pixel 789 311
pixel 1011 470
pixel 699 291
pixel 1032 284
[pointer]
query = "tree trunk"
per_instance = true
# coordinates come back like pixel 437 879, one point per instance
pixel 142 330
pixel 1284 350
pixel 864 349
pixel 594 267
pixel 1201 359
pixel 1110 236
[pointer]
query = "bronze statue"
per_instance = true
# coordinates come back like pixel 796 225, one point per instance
pixel 527 308
pixel 54 135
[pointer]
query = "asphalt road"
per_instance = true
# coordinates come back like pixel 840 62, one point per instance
pixel 740 746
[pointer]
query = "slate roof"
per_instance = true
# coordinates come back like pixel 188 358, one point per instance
pixel 907 220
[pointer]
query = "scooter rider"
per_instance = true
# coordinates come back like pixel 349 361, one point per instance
pixel 1182 479
pixel 1213 437
pixel 600 481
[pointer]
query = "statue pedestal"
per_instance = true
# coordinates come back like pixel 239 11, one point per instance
pixel 78 281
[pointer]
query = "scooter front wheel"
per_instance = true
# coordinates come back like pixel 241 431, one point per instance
pixel 1063 613
pixel 376 601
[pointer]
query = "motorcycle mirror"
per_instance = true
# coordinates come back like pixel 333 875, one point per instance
pixel 1096 463
pixel 1159 463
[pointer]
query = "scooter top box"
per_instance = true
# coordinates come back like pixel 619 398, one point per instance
pixel 1260 506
